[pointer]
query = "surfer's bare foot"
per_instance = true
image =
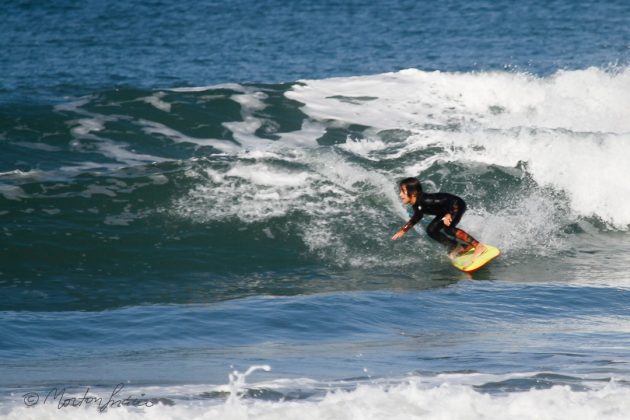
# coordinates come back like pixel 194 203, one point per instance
pixel 479 249
pixel 455 253
pixel 466 249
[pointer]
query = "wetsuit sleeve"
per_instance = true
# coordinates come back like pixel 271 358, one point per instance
pixel 415 218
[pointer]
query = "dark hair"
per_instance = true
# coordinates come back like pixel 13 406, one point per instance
pixel 412 185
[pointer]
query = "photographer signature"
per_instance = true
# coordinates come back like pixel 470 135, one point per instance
pixel 59 396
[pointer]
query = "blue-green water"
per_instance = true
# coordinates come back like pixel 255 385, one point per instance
pixel 196 188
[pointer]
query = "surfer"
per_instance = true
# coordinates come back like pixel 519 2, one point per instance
pixel 447 208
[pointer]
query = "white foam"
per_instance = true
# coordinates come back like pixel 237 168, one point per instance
pixel 151 127
pixel 250 192
pixel 306 137
pixel 571 129
pixel 12 192
pixel 364 147
pixel 158 179
pixel 581 100
pixel 121 153
pixel 340 226
pixel 38 146
pixel 568 138
pixel 258 174
pixel 73 106
pixel 412 399
pixel 157 102
pixel 85 126
pixel 122 219
pixel 244 131
pixel 230 86
pixel 18 174
pixel 85 167
pixel 251 102
pixel 573 164
pixel 96 190
pixel 84 131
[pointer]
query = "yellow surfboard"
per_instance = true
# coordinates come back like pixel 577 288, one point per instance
pixel 468 264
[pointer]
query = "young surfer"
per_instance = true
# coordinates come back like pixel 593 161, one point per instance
pixel 447 208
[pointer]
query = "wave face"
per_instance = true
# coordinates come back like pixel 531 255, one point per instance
pixel 168 237
pixel 297 181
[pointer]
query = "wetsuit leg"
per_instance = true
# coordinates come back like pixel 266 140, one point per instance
pixel 435 230
pixel 455 232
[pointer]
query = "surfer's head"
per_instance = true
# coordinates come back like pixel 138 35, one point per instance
pixel 410 190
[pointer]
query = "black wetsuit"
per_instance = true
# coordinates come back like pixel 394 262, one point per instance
pixel 441 204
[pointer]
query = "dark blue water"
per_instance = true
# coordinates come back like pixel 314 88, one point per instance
pixel 72 48
pixel 197 201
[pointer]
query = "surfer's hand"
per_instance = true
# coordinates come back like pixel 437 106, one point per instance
pixel 447 219
pixel 398 235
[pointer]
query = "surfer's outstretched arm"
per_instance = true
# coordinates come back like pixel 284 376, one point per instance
pixel 417 215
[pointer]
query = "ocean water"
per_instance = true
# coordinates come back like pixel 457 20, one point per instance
pixel 197 201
